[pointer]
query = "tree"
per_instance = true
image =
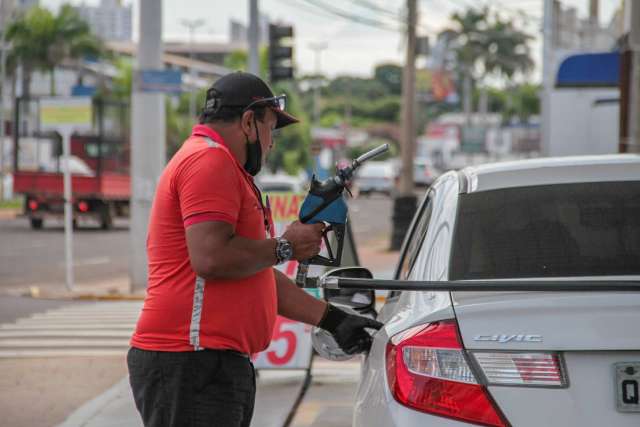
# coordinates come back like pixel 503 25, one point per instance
pixel 239 60
pixel 42 41
pixel 291 148
pixel 488 45
pixel 390 75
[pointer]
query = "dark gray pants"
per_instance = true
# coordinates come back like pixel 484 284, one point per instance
pixel 192 389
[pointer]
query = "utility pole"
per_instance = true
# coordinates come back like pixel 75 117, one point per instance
pixel 633 138
pixel 148 138
pixel 594 21
pixel 405 202
pixel 3 68
pixel 254 56
pixel 192 25
pixel 317 49
pixel 548 62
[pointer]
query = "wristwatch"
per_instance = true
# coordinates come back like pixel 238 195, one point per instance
pixel 284 250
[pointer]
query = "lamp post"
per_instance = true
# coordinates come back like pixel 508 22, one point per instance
pixel 3 72
pixel 192 25
pixel 317 49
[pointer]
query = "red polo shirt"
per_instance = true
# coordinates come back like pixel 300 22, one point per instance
pixel 182 312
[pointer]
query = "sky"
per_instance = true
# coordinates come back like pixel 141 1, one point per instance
pixel 351 48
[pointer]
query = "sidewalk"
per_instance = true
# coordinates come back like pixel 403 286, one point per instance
pixel 328 401
pixel 276 393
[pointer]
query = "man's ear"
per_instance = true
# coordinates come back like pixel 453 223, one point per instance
pixel 246 122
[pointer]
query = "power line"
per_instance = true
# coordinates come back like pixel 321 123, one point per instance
pixel 350 16
pixel 370 5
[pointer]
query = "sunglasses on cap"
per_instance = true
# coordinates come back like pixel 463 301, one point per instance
pixel 277 102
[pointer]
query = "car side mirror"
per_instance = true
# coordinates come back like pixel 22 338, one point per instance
pixel 361 300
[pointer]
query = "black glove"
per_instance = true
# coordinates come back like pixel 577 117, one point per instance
pixel 348 329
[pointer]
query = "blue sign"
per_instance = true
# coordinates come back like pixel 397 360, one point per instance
pixel 81 90
pixel 590 70
pixel 160 81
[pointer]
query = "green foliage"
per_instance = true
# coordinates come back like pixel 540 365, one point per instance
pixel 489 44
pixel 389 75
pixel 521 101
pixel 386 109
pixel 122 82
pixel 41 40
pixel 238 60
pixel 526 101
pixel 291 149
pixel 12 204
pixel 356 87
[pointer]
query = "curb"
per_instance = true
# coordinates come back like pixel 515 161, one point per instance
pixel 91 409
pixel 35 293
pixel 9 213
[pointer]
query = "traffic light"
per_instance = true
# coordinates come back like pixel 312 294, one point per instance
pixel 280 52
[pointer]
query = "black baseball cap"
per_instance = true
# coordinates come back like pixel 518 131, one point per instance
pixel 245 91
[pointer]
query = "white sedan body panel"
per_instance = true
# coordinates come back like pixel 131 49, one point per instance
pixel 588 402
pixel 374 404
pixel 592 331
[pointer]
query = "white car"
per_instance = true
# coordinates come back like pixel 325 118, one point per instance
pixel 376 177
pixel 521 358
pixel 424 173
pixel 277 183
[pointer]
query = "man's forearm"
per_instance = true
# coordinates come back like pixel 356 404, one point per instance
pixel 242 257
pixel 296 304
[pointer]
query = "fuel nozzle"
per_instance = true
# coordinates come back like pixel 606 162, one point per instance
pixel 345 175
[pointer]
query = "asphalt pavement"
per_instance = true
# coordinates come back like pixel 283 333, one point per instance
pixel 85 384
pixel 35 258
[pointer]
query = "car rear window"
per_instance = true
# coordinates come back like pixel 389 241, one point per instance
pixel 589 229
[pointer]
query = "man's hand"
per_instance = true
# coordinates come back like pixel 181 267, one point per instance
pixel 348 329
pixel 305 239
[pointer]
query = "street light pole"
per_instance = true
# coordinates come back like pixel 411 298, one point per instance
pixel 253 37
pixel 317 49
pixel 3 65
pixel 147 141
pixel 192 25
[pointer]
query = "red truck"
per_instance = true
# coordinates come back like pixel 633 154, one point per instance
pixel 99 165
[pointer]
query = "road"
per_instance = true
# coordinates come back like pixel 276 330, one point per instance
pixel 36 257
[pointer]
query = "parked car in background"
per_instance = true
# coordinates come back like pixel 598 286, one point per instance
pixel 554 359
pixel 274 183
pixel 376 177
pixel 424 173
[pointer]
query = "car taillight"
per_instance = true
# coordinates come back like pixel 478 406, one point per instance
pixel 518 368
pixel 33 205
pixel 83 206
pixel 427 370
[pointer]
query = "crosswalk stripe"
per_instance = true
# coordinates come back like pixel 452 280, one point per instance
pixel 98 329
pixel 67 326
pixel 68 333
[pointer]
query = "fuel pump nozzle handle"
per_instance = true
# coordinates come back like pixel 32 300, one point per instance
pixel 325 203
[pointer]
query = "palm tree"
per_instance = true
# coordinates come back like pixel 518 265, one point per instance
pixel 487 45
pixel 42 41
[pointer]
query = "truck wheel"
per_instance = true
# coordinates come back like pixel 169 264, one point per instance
pixel 36 223
pixel 106 219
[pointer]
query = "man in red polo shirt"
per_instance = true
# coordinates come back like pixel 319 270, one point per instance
pixel 213 294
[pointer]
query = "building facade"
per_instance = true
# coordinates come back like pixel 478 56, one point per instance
pixel 110 20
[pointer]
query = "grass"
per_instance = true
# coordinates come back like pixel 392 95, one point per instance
pixel 15 203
